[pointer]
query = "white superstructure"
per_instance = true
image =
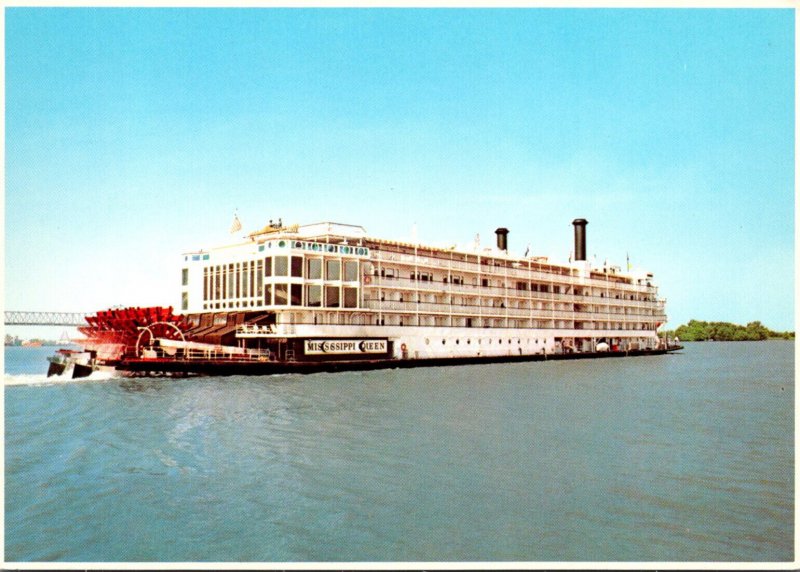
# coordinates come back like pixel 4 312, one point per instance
pixel 294 290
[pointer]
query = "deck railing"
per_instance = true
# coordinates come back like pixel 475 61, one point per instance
pixel 475 310
pixel 519 272
pixel 255 329
pixel 216 353
pixel 495 292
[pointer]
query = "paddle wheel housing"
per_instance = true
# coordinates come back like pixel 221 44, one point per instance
pixel 117 332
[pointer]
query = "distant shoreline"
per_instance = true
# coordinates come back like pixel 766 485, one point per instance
pixel 700 331
pixel 47 344
pixel 739 341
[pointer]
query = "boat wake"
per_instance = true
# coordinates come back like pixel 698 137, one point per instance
pixel 42 379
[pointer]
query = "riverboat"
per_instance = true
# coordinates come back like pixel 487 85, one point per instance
pixel 329 296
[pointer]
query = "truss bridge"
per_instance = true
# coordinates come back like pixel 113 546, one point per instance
pixel 16 318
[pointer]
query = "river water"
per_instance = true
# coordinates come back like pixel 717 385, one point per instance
pixel 686 457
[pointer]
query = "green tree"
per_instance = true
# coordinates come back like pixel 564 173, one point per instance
pixel 696 331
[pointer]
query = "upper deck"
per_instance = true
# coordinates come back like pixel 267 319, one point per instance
pixel 333 268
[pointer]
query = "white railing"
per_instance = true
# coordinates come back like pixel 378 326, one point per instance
pixel 520 272
pixel 472 290
pixel 254 329
pixel 472 310
pixel 214 353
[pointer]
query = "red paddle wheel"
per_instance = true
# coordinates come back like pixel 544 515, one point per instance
pixel 114 333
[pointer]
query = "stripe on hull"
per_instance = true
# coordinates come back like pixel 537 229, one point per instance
pixel 237 367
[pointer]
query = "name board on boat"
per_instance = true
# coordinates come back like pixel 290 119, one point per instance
pixel 317 347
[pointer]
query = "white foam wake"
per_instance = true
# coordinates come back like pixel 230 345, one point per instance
pixel 42 379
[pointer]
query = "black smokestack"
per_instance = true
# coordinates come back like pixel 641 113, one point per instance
pixel 502 239
pixel 580 238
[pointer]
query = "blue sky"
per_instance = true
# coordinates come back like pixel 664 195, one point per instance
pixel 132 135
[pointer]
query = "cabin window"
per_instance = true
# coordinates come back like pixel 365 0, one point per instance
pixel 185 301
pixel 350 270
pixel 314 295
pixel 281 266
pixel 268 294
pixel 333 270
pixel 297 266
pixel 314 269
pixel 297 294
pixel 184 277
pixel 281 293
pixel 252 268
pixel 268 266
pixel 244 285
pixel 259 279
pixel 350 297
pixel 331 296
pixel 238 279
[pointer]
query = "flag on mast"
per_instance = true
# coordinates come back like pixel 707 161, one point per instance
pixel 237 225
pixel 628 260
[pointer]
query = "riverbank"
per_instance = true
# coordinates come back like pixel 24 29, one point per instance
pixel 699 331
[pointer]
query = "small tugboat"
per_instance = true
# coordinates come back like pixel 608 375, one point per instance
pixel 72 363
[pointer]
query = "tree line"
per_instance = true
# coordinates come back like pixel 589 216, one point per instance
pixel 698 331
